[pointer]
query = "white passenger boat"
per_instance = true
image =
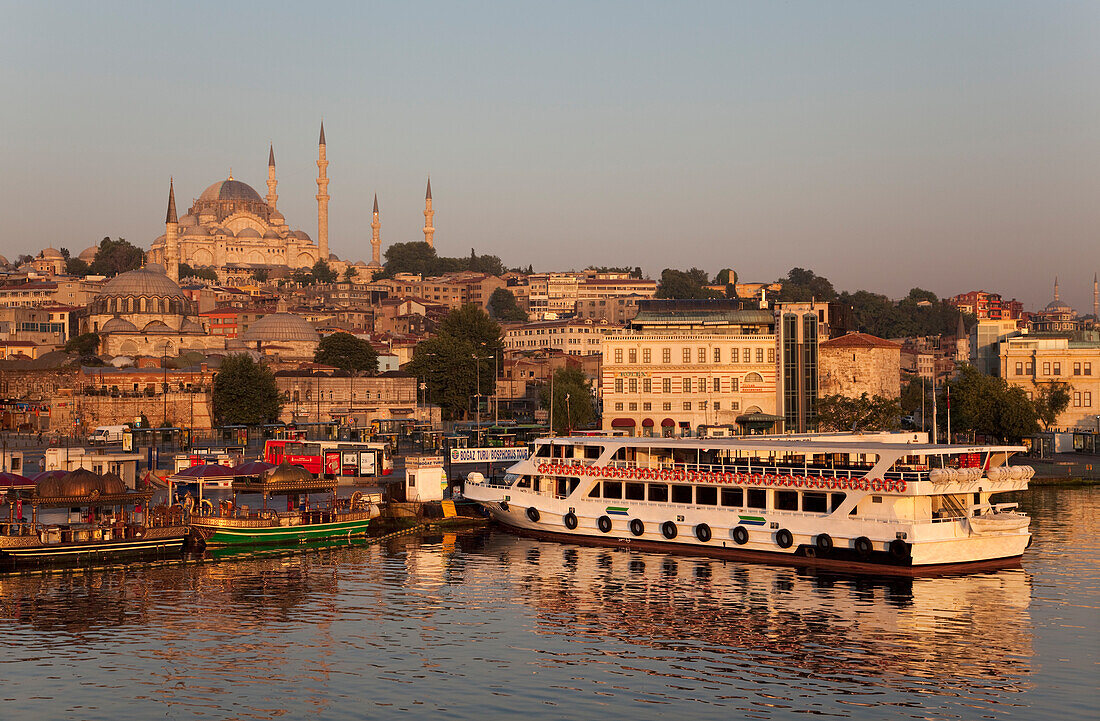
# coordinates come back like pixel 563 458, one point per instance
pixel 886 502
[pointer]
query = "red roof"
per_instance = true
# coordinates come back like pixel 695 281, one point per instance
pixel 859 340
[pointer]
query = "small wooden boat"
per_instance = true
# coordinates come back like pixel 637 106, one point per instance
pixel 233 525
pixel 112 523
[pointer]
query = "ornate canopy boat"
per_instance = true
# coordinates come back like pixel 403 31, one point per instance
pixel 111 523
pixel 880 503
pixel 232 524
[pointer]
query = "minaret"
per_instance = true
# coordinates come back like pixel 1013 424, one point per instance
pixel 1056 288
pixel 429 231
pixel 272 196
pixel 1095 299
pixel 322 197
pixel 171 236
pixel 376 237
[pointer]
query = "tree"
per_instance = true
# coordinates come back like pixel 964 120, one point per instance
pixel 988 405
pixel 322 273
pixel 803 285
pixel 245 392
pixel 347 352
pixel 84 344
pixel 187 271
pixel 302 276
pixel 65 253
pixel 349 274
pixel 415 257
pixel 77 267
pixel 261 275
pixel 842 413
pixel 573 406
pixel 503 306
pixel 116 256
pixel 1050 400
pixel 470 323
pixel 684 284
pixel 913 396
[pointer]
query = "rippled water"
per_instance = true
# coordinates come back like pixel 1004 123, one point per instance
pixel 487 625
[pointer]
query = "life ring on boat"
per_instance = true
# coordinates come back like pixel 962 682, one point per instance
pixel 823 543
pixel 570 521
pixel 637 527
pixel 543 468
pixel 739 478
pixel 604 524
pixel 876 485
pixel 864 546
pixel 668 530
pixel 900 486
pixel 740 535
pixel 784 538
pixel 533 514
pixel 899 549
pixel 702 532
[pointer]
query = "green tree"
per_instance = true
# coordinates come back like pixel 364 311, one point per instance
pixel 573 405
pixel 77 267
pixel 803 285
pixel 988 405
pixel 913 396
pixel 866 413
pixel 303 276
pixel 261 275
pixel 85 344
pixel 1050 400
pixel 116 256
pixel 414 257
pixel 503 306
pixel 684 284
pixel 349 274
pixel 472 324
pixel 245 392
pixel 347 352
pixel 322 273
pixel 187 271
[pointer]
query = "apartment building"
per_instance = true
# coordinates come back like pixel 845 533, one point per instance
pixel 1030 361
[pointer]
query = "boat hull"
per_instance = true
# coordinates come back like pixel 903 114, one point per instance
pixel 227 534
pixel 155 543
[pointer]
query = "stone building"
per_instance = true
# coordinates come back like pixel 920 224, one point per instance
pixel 312 395
pixel 858 363
pixel 281 334
pixel 1030 361
pixel 573 337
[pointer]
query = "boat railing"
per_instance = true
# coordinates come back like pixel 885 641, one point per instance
pixel 771 470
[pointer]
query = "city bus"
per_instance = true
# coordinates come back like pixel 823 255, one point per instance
pixel 333 458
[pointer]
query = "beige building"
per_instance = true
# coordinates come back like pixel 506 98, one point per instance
pixel 858 363
pixel 572 337
pixel 452 290
pixel 1030 361
pixel 312 395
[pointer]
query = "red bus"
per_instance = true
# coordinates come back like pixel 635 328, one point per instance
pixel 337 458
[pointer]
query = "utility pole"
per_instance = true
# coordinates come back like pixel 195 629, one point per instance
pixel 935 420
pixel 551 402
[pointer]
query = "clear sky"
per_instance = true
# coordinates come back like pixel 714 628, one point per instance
pixel 946 145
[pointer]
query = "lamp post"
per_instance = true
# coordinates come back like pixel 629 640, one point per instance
pixel 477 412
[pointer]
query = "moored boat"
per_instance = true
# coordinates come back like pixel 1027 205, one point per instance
pixel 881 503
pixel 235 525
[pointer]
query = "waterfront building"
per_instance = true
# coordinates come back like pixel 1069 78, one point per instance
pixel 1028 362
pixel 859 363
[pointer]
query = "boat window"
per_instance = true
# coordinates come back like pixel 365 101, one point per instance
pixel 786 500
pixel 612 489
pixel 876 499
pixel 595 492
pixel 732 497
pixel 524 482
pixel 620 455
pixel 634 492
pixel 563 486
pixel 756 498
pixel 681 494
pixel 706 496
pixel 835 499
pixel 543 451
pixel 658 492
pixel 813 502
pixel 592 452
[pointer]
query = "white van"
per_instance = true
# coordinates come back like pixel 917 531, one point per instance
pixel 103 435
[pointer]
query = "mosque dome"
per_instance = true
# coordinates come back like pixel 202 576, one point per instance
pixel 52 254
pixel 190 326
pixel 281 327
pixel 141 282
pixel 271 235
pixel 231 190
pixel 88 254
pixel 248 233
pixel 188 220
pixel 1057 306
pixel 118 325
pixel 301 235
pixel 157 327
pixel 193 230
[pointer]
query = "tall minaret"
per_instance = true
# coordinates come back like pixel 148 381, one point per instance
pixel 1095 299
pixel 376 237
pixel 171 236
pixel 272 196
pixel 1056 288
pixel 322 197
pixel 429 231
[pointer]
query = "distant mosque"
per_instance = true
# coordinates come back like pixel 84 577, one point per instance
pixel 229 225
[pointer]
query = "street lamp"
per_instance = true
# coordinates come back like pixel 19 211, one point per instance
pixel 477 366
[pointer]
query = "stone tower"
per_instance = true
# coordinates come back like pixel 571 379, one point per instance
pixel 272 196
pixel 172 236
pixel 322 197
pixel 429 231
pixel 375 237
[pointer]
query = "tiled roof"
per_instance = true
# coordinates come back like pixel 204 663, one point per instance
pixel 858 340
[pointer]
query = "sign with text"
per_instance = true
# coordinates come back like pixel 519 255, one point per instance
pixel 489 455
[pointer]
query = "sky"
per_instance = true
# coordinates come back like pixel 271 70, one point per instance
pixel 885 145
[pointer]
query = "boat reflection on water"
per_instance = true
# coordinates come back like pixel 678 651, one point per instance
pixel 748 618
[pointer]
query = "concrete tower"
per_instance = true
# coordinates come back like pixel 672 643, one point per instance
pixel 272 196
pixel 322 197
pixel 375 237
pixel 429 231
pixel 172 236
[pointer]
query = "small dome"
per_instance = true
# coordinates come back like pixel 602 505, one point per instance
pixel 156 327
pixel 249 233
pixel 231 190
pixel 277 217
pixel 88 254
pixel 195 230
pixel 80 483
pixel 143 281
pixel 271 235
pixel 281 327
pixel 301 235
pixel 286 473
pixel 190 326
pixel 223 231
pixel 118 325
pixel 51 254
pixel 188 220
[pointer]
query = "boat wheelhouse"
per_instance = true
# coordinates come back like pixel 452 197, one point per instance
pixel 857 502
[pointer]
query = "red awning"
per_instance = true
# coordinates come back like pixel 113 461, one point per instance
pixel 647 423
pixel 668 423
pixel 622 423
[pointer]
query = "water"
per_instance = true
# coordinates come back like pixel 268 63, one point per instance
pixel 488 625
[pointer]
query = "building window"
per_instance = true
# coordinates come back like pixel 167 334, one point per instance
pixel 1088 369
pixel 1076 369
pixel 1020 368
pixel 717 355
pixel 1046 369
pixel 647 355
pixel 687 355
pixel 717 406
pixel 687 405
pixel 618 385
pixel 733 385
pixel 702 385
pixel 618 406
pixel 647 385
pixel 632 355
pixel 771 355
pixel 759 355
pixel 1029 368
pixel 618 355
pixel 1087 400
pixel 1057 369
pixel 687 385
pixel 1077 399
pixel 666 355
pixel 666 385
pixel 716 385
pixel 633 385
pixel 702 355
pixel 666 406
pixel 647 406
pixel 632 406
